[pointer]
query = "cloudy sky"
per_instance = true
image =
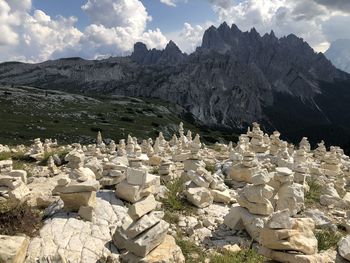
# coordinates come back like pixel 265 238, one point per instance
pixel 38 30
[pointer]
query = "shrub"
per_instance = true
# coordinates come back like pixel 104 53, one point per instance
pixel 313 195
pixel 20 219
pixel 327 239
pixel 173 200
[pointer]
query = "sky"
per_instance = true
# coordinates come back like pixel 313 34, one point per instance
pixel 39 30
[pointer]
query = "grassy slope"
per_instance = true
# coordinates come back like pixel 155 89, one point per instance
pixel 27 113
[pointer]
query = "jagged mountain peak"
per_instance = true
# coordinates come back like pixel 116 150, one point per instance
pixel 171 54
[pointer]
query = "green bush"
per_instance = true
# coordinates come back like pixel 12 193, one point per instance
pixel 174 201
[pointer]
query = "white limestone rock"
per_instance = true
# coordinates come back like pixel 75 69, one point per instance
pixel 147 241
pixel 13 248
pixel 344 247
pixel 142 207
pixel 199 196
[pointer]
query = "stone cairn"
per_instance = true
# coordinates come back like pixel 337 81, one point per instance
pixel 13 183
pixel 143 228
pixel 244 170
pixel 36 151
pixel 258 142
pixel 78 191
pixel 202 187
pixel 287 239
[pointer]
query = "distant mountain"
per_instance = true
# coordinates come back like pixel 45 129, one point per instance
pixel 231 80
pixel 339 54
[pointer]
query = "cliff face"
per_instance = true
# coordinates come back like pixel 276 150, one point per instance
pixel 234 78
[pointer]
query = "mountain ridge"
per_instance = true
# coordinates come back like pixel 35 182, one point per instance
pixel 231 80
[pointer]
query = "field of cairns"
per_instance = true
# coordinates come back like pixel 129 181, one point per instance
pixel 174 199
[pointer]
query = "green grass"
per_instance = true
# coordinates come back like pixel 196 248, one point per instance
pixel 191 252
pixel 154 170
pixel 78 119
pixel 5 156
pixel 327 239
pixel 20 165
pixel 61 154
pixel 245 255
pixel 313 195
pixel 171 217
pixel 174 201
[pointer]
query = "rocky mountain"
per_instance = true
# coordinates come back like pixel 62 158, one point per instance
pixel 339 54
pixel 231 80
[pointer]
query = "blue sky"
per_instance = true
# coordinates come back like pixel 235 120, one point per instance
pixel 38 30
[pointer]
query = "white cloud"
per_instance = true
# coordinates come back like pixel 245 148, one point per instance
pixel 168 2
pixel 305 18
pixel 32 35
pixel 189 37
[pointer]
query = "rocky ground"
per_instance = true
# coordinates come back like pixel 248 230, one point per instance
pixel 175 200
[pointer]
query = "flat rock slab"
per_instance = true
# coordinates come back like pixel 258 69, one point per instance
pixel 13 248
pixel 65 237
